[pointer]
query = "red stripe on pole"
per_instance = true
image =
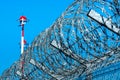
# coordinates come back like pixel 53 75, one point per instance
pixel 22 66
pixel 25 42
pixel 22 33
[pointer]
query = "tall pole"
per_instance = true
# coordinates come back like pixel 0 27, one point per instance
pixel 23 20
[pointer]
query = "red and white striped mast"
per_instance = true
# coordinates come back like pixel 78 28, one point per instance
pixel 23 21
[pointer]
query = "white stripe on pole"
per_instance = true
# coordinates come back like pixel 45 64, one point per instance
pixel 22 45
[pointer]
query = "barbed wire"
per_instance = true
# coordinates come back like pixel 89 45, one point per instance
pixel 84 38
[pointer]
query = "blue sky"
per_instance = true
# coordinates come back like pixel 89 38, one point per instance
pixel 41 14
